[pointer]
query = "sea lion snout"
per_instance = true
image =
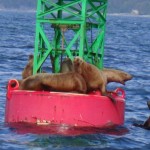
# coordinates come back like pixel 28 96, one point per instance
pixel 77 61
pixel 126 77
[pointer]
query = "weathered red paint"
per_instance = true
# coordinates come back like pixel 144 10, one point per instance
pixel 82 110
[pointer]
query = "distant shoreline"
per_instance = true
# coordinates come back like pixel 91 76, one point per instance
pixel 108 14
pixel 126 14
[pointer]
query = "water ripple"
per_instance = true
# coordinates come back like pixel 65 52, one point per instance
pixel 126 48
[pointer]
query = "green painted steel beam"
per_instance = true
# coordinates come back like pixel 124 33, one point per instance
pixel 60 7
pixel 79 18
pixel 59 21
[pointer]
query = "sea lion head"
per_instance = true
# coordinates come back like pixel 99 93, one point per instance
pixel 67 65
pixel 126 76
pixel 28 68
pixel 30 57
pixel 77 63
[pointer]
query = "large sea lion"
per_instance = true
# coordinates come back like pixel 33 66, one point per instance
pixel 28 68
pixel 62 82
pixel 95 79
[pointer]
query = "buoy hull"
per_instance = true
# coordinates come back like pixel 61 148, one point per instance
pixel 46 108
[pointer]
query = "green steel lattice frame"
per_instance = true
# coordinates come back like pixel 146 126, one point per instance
pixel 85 18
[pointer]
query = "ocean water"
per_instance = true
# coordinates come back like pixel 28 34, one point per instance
pixel 127 47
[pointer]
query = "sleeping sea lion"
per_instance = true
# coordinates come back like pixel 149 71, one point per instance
pixel 62 82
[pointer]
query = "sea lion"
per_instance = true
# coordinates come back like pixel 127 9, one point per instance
pixel 62 82
pixel 146 124
pixel 95 79
pixel 28 68
pixel 114 75
pixel 66 66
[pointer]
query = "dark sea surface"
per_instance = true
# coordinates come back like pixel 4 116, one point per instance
pixel 127 47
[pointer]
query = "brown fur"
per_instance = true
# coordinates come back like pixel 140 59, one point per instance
pixel 67 66
pixel 114 75
pixel 95 79
pixel 63 82
pixel 29 68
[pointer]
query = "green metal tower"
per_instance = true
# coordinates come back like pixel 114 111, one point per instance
pixel 68 28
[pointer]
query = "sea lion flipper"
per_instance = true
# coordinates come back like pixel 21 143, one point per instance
pixel 148 104
pixel 147 123
pixel 111 97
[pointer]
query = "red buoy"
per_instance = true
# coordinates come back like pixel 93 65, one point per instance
pixel 60 108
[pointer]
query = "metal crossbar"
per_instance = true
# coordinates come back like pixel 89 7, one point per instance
pixel 68 28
